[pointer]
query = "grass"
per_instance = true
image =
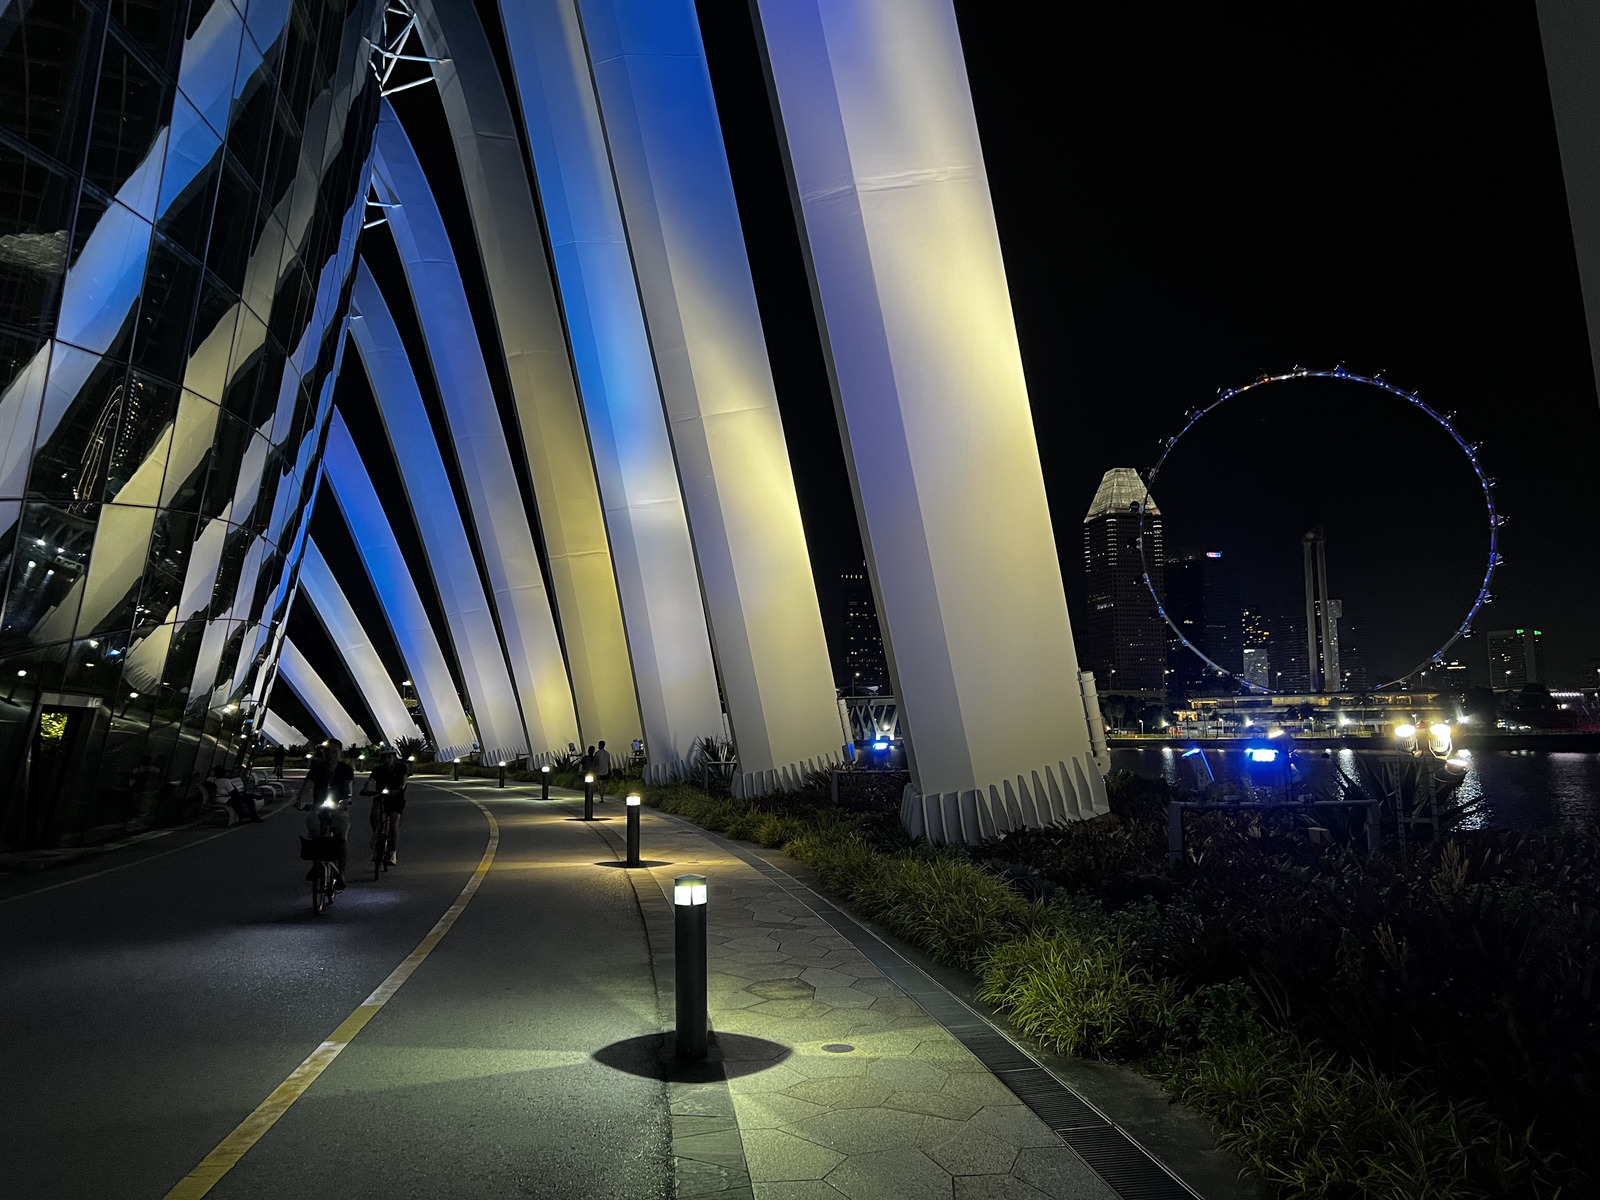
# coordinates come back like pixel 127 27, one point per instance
pixel 1309 1121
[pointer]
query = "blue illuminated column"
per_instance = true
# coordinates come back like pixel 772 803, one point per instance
pixel 904 256
pixel 397 592
pixel 533 647
pixel 444 537
pixel 648 526
pixel 527 317
pixel 355 647
pixel 320 702
pixel 711 357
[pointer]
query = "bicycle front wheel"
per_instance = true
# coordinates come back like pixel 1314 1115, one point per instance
pixel 316 890
pixel 380 851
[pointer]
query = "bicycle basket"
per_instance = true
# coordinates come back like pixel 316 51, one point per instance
pixel 321 849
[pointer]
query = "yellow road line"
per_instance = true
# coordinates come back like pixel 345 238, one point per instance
pixel 251 1130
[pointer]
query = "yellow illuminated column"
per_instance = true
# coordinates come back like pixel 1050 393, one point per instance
pixel 511 245
pixel 711 358
pixel 905 262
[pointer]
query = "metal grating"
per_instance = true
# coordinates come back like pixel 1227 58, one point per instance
pixel 1124 1165
pixel 1126 1168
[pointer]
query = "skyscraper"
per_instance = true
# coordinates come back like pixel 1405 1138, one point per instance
pixel 1124 639
pixel 1515 658
pixel 1202 598
pixel 865 664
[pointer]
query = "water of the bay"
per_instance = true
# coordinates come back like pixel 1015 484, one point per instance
pixel 1527 790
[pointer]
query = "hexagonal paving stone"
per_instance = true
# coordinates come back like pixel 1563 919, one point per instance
pixel 861 970
pixel 797 1189
pixel 848 1091
pixel 772 1154
pixel 844 997
pixel 782 989
pixel 790 1009
pixel 759 972
pixel 773 1079
pixel 989 1187
pixel 826 977
pixel 773 1110
pixel 934 1104
pixel 974 1152
pixel 1016 1124
pixel 732 1001
pixel 753 943
pixel 812 1063
pixel 977 1085
pixel 877 987
pixel 1058 1172
pixel 898 1006
pixel 910 1074
pixel 862 1130
pixel 891 1175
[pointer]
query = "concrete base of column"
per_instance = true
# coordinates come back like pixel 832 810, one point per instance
pixel 1066 792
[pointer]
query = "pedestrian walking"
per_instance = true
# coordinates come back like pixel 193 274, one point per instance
pixel 602 768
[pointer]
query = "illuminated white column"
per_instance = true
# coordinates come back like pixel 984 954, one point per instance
pixel 906 268
pixel 662 607
pixel 444 537
pixel 711 357
pixel 528 321
pixel 397 592
pixel 280 732
pixel 533 647
pixel 1570 31
pixel 354 645
pixel 320 702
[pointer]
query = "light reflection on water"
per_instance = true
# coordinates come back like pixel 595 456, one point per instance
pixel 1527 790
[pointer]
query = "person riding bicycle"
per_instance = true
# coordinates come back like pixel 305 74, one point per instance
pixel 326 795
pixel 387 787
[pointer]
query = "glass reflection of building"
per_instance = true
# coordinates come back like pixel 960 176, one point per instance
pixel 181 187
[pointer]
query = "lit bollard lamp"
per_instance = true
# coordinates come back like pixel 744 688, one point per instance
pixel 544 782
pixel 502 782
pixel 689 913
pixel 633 830
pixel 588 797
pixel 455 771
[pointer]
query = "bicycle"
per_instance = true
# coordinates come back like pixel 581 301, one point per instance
pixel 322 852
pixel 381 838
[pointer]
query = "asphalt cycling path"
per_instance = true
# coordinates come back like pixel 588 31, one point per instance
pixel 147 1011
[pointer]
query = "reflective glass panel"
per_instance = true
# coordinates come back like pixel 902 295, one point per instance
pixel 47 73
pixel 166 311
pixel 131 108
pixel 35 215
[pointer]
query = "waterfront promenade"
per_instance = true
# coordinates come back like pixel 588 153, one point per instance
pixel 487 1020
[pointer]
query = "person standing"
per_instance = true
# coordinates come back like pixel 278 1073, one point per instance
pixel 277 761
pixel 602 768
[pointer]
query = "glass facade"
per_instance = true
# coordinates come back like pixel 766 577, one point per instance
pixel 180 190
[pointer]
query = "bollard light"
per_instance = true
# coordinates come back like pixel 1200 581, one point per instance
pixel 633 832
pixel 502 782
pixel 455 768
pixel 689 927
pixel 544 782
pixel 588 797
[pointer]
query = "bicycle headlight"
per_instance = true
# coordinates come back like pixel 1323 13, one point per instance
pixel 329 803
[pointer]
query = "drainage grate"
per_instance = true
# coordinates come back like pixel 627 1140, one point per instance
pixel 1130 1172
pixel 1126 1167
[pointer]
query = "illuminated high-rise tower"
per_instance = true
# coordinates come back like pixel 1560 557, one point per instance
pixel 1124 639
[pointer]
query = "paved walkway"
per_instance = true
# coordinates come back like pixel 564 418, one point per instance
pixel 152 1006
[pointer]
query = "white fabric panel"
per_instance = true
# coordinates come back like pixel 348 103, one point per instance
pixel 397 591
pixel 906 267
pixel 444 537
pixel 711 356
pixel 662 606
pixel 345 631
pixel 533 647
pixel 279 731
pixel 294 670
pixel 528 320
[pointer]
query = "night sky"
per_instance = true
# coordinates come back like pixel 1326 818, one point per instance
pixel 1190 197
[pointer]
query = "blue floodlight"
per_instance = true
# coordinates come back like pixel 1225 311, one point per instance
pixel 1191 753
pixel 880 745
pixel 1263 754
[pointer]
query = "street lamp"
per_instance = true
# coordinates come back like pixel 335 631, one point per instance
pixel 633 803
pixel 689 944
pixel 588 797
